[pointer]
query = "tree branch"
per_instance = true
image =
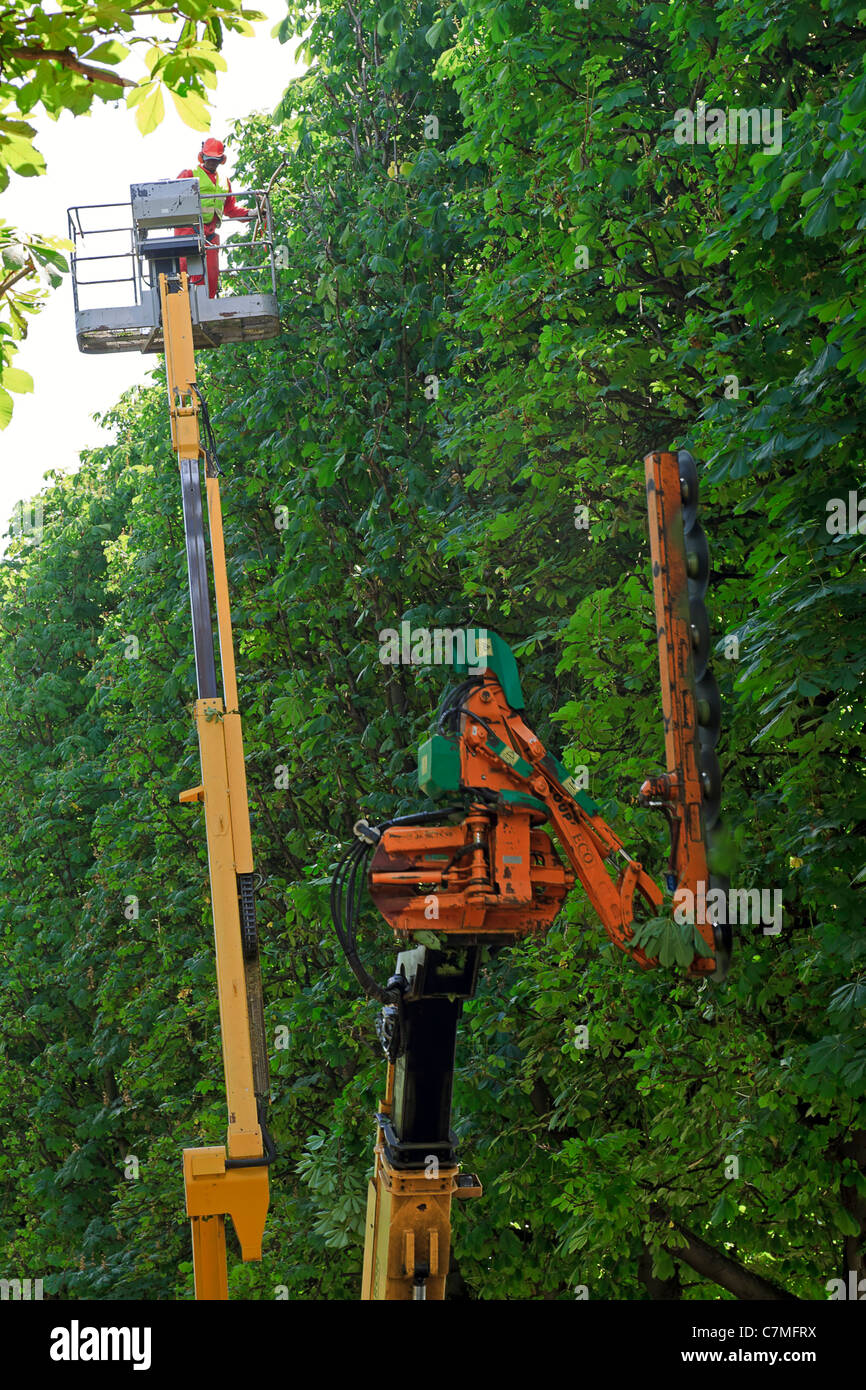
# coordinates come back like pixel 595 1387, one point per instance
pixel 67 59
pixel 721 1269
pixel 14 277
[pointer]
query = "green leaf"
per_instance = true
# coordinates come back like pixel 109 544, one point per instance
pixel 724 1210
pixel 14 379
pixel 845 1222
pixel 192 109
pixel 390 21
pixel 109 52
pixel 150 111
pixel 19 154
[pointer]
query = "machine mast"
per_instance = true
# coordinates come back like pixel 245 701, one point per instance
pixel 173 314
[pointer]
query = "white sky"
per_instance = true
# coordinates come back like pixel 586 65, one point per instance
pixel 94 159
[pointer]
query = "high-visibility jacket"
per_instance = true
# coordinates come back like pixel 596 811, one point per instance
pixel 212 207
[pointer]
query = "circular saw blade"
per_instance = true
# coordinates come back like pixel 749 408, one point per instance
pixel 708 703
pixel 688 470
pixel 697 560
pixel 699 625
pixel 723 937
pixel 711 784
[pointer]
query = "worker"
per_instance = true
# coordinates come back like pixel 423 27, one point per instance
pixel 213 209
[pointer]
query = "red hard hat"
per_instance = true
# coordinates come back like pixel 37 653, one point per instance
pixel 212 149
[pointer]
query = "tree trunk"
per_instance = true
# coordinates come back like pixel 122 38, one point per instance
pixel 854 1249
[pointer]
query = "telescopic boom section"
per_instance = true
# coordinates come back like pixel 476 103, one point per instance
pixel 230 1180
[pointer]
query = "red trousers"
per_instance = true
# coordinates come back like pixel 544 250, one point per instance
pixel 212 257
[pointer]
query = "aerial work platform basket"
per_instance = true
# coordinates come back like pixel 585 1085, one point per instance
pixel 126 246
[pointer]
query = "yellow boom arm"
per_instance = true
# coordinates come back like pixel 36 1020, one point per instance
pixel 231 1179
